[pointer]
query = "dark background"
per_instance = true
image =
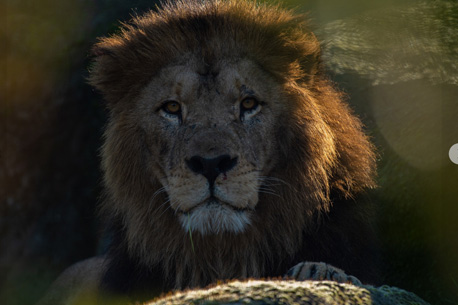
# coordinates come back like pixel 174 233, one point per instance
pixel 397 60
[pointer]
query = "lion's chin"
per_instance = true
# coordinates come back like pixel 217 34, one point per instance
pixel 215 218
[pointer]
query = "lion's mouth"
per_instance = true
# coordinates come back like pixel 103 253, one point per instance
pixel 214 216
pixel 213 203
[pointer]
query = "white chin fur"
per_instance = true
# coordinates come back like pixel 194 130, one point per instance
pixel 214 219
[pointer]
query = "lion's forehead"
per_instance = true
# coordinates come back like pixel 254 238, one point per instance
pixel 195 83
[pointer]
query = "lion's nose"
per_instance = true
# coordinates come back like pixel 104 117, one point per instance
pixel 210 168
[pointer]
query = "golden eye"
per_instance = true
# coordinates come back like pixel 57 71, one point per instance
pixel 172 107
pixel 249 103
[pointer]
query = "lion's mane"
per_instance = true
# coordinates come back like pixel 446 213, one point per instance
pixel 326 159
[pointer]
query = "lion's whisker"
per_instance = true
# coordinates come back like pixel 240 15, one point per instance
pixel 270 193
pixel 160 190
pixel 151 202
pixel 164 203
pixel 267 181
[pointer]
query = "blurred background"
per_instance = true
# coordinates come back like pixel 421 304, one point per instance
pixel 397 60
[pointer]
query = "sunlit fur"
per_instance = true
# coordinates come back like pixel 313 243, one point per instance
pixel 317 157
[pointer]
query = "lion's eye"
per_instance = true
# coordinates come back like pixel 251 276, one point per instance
pixel 248 104
pixel 172 107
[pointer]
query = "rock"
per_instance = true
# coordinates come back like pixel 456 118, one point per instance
pixel 276 292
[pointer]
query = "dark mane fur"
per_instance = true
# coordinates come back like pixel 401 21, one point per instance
pixel 326 159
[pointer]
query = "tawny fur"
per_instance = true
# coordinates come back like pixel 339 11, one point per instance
pixel 321 150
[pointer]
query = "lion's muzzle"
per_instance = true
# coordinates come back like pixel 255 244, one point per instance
pixel 211 168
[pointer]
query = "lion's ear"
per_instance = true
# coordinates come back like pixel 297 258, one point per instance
pixel 302 48
pixel 122 65
pixel 310 61
pixel 105 73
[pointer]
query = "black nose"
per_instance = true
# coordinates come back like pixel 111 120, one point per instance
pixel 211 168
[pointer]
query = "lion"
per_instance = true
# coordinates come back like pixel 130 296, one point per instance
pixel 228 153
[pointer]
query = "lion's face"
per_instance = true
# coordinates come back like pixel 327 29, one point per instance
pixel 206 131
